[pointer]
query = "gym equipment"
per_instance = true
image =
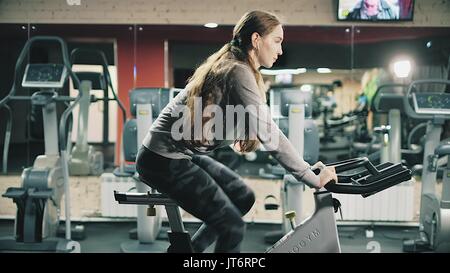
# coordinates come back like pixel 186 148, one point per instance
pixel 395 205
pixel 84 159
pixel 338 132
pixel 318 233
pixel 7 137
pixel 327 105
pixel 434 221
pixel 388 99
pixel 385 145
pixel 292 108
pixel 146 104
pixel 335 131
pixel 295 121
pixel 38 200
pixel 179 238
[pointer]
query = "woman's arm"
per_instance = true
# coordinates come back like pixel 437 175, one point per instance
pixel 246 92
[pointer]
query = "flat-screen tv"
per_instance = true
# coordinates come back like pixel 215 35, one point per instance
pixel 375 10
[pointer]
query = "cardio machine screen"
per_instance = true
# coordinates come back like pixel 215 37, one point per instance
pixel 44 76
pixel 432 103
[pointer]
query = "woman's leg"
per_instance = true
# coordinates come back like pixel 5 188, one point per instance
pixel 196 192
pixel 232 184
pixel 234 187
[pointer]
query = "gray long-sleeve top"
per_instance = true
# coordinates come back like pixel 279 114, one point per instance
pixel 244 91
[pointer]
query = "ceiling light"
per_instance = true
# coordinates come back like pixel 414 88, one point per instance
pixel 306 87
pixel 323 70
pixel 211 25
pixel 402 68
pixel 283 71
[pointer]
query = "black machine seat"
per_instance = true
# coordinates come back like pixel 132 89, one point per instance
pixel 15 193
pixel 180 240
pixel 138 198
pixel 20 195
pixel 389 96
pixel 291 97
pixel 158 98
pixel 388 101
pixel 27 200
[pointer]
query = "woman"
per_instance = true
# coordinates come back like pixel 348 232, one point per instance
pixel 200 185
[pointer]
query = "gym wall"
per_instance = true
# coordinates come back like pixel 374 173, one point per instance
pixel 194 12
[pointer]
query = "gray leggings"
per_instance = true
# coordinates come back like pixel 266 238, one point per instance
pixel 206 189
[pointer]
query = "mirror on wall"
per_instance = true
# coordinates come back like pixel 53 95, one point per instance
pixel 395 55
pixel 336 62
pixel 27 133
pixel 186 56
pixel 423 51
pixel 12 39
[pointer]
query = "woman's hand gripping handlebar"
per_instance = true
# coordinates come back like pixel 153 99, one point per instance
pixel 364 178
pixel 327 174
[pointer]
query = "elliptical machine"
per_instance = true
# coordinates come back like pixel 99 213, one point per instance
pixel 39 198
pixel 84 159
pixel 434 221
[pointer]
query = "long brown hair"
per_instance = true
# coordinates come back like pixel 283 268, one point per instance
pixel 210 79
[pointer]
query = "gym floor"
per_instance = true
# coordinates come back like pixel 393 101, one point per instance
pixel 107 237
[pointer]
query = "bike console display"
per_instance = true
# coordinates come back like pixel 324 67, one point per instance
pixel 432 103
pixel 44 76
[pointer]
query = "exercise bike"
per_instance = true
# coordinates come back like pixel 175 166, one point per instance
pixel 318 233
